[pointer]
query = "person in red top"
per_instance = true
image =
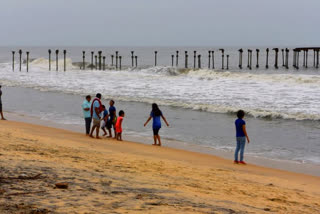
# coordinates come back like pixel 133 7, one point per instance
pixel 119 126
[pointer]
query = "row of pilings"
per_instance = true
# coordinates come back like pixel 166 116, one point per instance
pixel 98 61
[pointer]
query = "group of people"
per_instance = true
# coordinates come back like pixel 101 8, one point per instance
pixel 96 113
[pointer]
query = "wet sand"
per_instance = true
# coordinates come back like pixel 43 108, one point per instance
pixel 105 176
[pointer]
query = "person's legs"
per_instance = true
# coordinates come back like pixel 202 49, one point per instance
pixel 242 146
pixel 97 131
pixel 155 136
pixel 237 150
pixel 159 140
pixel 92 130
pixel 2 117
pixel 88 124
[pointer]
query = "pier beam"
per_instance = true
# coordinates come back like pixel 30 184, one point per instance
pixel 104 62
pixel 27 61
pixel 155 58
pixel 177 58
pixel 20 54
pixel 257 51
pixel 64 60
pixel 92 60
pixel 83 60
pixel 199 61
pixel 222 57
pixel 57 60
pixel 13 52
pixel 240 58
pixel 267 58
pixel 100 57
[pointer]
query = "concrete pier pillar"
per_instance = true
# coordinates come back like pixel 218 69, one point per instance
pixel 112 60
pixel 240 58
pixel 64 60
pixel 306 58
pixel 27 61
pixel 222 58
pixel 287 58
pixel 172 60
pixel 132 58
pixel 314 58
pixel 199 61
pixel 155 58
pixel 92 60
pixel 212 56
pixel 282 51
pixel 96 61
pixel 83 60
pixel 49 51
pixel 13 52
pixel 194 59
pixel 177 58
pixel 136 58
pixel 120 57
pixel 267 58
pixel 227 62
pixel 209 59
pixel 57 60
pixel 250 59
pixel 257 51
pixel 248 63
pixel 100 57
pixel 117 58
pixel 294 58
pixel 297 65
pixel 104 62
pixel 20 55
pixel 276 57
pixel 186 59
pixel 317 64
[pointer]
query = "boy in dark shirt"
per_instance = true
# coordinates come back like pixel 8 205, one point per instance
pixel 112 119
pixel 241 135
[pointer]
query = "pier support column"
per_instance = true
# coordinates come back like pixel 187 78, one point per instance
pixel 64 60
pixel 282 51
pixel 20 55
pixel 177 58
pixel 112 60
pixel 155 58
pixel 49 51
pixel 212 55
pixel 27 61
pixel 132 58
pixel 297 65
pixel 136 58
pixel 250 67
pixel 287 58
pixel 83 60
pixel 227 62
pixel 222 64
pixel 294 58
pixel 306 58
pixel 13 52
pixel 317 64
pixel 194 59
pixel 240 58
pixel 92 60
pixel 267 58
pixel 104 63
pixel 120 57
pixel 199 61
pixel 209 59
pixel 257 51
pixel 172 60
pixel 117 57
pixel 276 57
pixel 57 60
pixel 186 59
pixel 314 58
pixel 248 63
pixel 100 57
pixel 96 61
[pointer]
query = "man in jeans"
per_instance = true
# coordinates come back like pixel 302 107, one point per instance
pixel 86 105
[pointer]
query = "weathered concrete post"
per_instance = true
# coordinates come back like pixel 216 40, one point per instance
pixel 287 58
pixel 27 61
pixel 64 60
pixel 212 59
pixel 276 57
pixel 117 57
pixel 199 61
pixel 186 59
pixel 194 59
pixel 304 58
pixel 294 58
pixel 57 60
pixel 136 58
pixel 317 58
pixel 227 62
pixel 240 58
pixel 297 66
pixel 100 62
pixel 96 61
pixel 104 62
pixel 20 53
pixel 120 57
pixel 250 59
pixel 314 58
pixel 222 52
pixel 209 59
pixel 257 51
pixel 172 60
pixel 155 58
pixel 13 52
pixel 92 60
pixel 177 58
pixel 267 60
pixel 112 60
pixel 282 50
pixel 307 58
pixel 83 60
pixel 132 59
pixel 248 63
pixel 49 51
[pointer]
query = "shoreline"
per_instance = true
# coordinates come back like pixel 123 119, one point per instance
pixel 107 175
pixel 305 168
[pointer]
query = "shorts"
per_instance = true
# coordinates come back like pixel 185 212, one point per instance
pixel 0 107
pixel 156 131
pixel 96 122
pixel 104 124
pixel 109 124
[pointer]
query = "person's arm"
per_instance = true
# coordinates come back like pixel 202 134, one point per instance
pixel 106 117
pixel 164 119
pixel 245 133
pixel 148 121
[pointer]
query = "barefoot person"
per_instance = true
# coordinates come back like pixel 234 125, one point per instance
pixel 112 119
pixel 104 120
pixel 96 109
pixel 86 105
pixel 118 126
pixel 2 117
pixel 156 114
pixel 241 134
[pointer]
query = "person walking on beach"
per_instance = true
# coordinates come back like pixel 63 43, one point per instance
pixel 118 125
pixel 2 117
pixel 104 120
pixel 241 135
pixel 112 119
pixel 156 114
pixel 96 109
pixel 86 106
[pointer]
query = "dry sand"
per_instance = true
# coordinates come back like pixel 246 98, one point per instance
pixel 105 176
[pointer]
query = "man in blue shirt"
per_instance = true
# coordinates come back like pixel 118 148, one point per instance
pixel 96 109
pixel 86 105
pixel 241 135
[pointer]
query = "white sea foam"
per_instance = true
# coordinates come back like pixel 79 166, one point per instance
pixel 288 96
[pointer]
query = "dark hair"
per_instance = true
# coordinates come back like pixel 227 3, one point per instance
pixel 88 97
pixel 103 106
pixel 112 102
pixel 155 109
pixel 98 95
pixel 240 114
pixel 121 113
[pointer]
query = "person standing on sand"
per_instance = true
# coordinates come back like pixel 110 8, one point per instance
pixel 156 114
pixel 2 117
pixel 112 119
pixel 96 109
pixel 86 106
pixel 118 125
pixel 241 134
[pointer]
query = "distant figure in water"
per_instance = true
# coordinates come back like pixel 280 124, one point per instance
pixel 156 114
pixel 96 109
pixel 241 134
pixel 104 120
pixel 86 105
pixel 118 125
pixel 2 117
pixel 112 119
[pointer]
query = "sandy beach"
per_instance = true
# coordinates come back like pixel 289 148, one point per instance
pixel 105 176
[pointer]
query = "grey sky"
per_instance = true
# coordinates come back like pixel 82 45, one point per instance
pixel 159 22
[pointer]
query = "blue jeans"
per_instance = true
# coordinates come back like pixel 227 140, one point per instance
pixel 241 142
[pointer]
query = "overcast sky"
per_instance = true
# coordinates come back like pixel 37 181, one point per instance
pixel 159 22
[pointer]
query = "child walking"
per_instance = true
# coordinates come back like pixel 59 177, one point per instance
pixel 241 135
pixel 104 120
pixel 118 126
pixel 156 114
